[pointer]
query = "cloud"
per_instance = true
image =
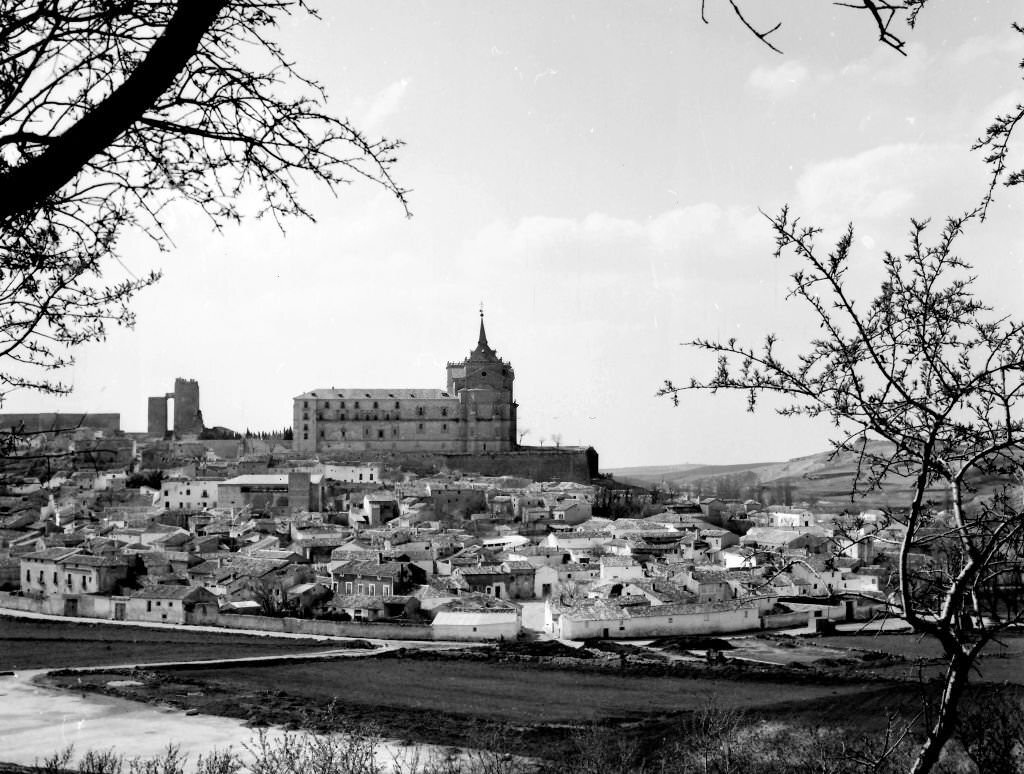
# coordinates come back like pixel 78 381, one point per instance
pixel 899 180
pixel 698 241
pixel 384 104
pixel 985 47
pixel 884 66
pixel 781 81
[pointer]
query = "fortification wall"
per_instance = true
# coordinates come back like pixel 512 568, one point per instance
pixel 577 464
pixel 53 422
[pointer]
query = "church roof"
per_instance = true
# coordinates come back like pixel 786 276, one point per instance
pixel 483 350
pixel 387 393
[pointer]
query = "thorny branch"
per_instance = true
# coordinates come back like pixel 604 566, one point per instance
pixel 112 112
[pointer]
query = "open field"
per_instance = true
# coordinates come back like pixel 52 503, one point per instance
pixel 1001 661
pixel 521 706
pixel 36 644
pixel 510 692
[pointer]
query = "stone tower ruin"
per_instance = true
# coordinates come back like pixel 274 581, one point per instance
pixel 188 418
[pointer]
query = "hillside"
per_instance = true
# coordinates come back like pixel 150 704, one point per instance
pixel 824 480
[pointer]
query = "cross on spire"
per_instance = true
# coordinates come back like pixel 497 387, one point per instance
pixel 482 341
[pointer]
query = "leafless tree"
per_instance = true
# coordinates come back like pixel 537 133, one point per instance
pixel 923 382
pixel 112 110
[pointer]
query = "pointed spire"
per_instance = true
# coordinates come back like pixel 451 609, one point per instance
pixel 482 341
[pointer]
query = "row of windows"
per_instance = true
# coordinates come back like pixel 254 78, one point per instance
pixel 368 588
pixel 341 404
pixel 86 580
pixel 342 416
pixel 368 432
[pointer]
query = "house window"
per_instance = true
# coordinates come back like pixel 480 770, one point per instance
pixel 342 405
pixel 305 436
pixel 444 428
pixel 69 581
pixel 376 405
pixel 149 605
pixel 55 579
pixel 444 412
pixel 188 493
pixel 380 433
pixel 360 476
pixel 359 588
pixel 357 404
pixel 371 476
pixel 385 590
pixel 348 587
pixel 419 428
pixel 396 404
pixel 305 404
pixel 419 411
pixel 372 589
pixel 327 404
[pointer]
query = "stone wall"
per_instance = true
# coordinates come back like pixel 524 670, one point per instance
pixel 570 463
pixel 385 631
pixel 53 422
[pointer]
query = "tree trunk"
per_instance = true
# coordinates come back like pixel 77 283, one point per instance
pixel 27 185
pixel 942 729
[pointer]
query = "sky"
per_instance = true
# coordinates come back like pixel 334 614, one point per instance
pixel 595 174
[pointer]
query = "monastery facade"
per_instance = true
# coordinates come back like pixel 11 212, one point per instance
pixel 476 413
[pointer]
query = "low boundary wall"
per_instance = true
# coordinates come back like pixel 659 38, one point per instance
pixel 381 631
pixel 258 623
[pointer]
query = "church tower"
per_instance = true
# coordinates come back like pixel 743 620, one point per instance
pixel 483 384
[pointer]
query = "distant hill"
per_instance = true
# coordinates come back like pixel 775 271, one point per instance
pixel 824 480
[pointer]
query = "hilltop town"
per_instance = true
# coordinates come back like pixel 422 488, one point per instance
pixel 406 514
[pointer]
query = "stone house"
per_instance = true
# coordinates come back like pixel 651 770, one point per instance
pixel 605 619
pixel 508 580
pixel 375 579
pixel 172 604
pixel 620 567
pixel 40 573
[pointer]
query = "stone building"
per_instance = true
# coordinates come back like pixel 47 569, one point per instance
pixel 188 419
pixel 475 413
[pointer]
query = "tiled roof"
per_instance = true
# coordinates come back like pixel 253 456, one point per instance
pixel 86 560
pixel 350 601
pixel 481 569
pixel 50 554
pixel 368 568
pixel 360 393
pixel 164 592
